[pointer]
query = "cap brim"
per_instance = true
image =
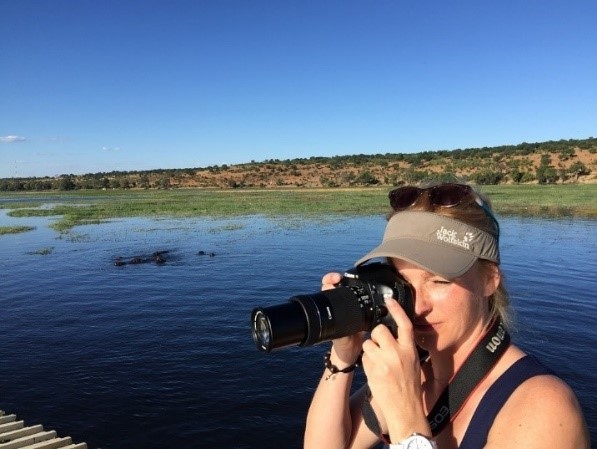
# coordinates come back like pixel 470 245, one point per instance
pixel 436 258
pixel 439 244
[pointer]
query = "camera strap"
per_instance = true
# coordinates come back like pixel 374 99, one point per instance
pixel 477 365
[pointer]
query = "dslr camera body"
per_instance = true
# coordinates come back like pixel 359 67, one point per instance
pixel 356 304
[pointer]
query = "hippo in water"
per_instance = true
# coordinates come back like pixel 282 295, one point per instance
pixel 158 257
pixel 203 253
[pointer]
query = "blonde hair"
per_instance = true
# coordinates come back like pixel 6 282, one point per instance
pixel 471 213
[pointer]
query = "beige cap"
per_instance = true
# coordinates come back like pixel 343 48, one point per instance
pixel 439 244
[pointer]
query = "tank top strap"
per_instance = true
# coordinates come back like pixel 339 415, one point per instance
pixel 496 396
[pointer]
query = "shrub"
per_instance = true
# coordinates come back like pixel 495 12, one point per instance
pixel 487 177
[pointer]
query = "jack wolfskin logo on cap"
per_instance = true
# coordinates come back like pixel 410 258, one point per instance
pixel 451 236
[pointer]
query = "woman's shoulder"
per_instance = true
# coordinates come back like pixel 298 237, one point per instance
pixel 542 390
pixel 542 411
pixel 536 378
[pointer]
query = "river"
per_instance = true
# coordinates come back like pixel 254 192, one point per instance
pixel 154 355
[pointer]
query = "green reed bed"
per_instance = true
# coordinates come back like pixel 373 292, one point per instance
pixel 567 200
pixel 85 207
pixel 15 229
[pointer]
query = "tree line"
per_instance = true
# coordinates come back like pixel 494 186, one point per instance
pixel 557 162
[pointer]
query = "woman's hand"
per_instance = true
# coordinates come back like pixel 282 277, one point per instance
pixel 345 350
pixel 394 376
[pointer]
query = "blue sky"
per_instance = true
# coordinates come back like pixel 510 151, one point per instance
pixel 100 85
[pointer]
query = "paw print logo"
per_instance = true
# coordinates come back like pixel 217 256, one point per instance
pixel 468 237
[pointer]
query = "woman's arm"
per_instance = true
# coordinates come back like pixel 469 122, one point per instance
pixel 334 418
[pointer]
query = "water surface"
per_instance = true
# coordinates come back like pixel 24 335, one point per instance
pixel 160 356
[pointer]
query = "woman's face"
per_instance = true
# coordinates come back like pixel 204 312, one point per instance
pixel 449 314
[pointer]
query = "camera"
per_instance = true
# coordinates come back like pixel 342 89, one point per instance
pixel 356 304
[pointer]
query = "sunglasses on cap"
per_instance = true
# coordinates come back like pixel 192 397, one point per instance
pixel 442 195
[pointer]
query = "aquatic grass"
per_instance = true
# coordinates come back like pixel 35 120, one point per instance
pixel 4 230
pixel 16 205
pixel 226 227
pixel 32 212
pixel 42 251
pixel 553 201
pixel 74 237
pixel 570 200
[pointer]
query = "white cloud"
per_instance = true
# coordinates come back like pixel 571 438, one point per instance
pixel 12 139
pixel 111 149
pixel 56 139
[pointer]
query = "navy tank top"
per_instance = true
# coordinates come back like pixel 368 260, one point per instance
pixel 496 396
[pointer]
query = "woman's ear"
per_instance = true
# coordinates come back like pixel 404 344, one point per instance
pixel 491 276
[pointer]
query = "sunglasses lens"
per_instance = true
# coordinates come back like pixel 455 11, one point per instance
pixel 404 197
pixel 448 195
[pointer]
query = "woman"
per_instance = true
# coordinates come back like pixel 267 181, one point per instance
pixel 443 240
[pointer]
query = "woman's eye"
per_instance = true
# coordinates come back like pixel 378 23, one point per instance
pixel 441 281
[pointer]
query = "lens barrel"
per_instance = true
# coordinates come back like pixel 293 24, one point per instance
pixel 278 326
pixel 356 305
pixel 309 319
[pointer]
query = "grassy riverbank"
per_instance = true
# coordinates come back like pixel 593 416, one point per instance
pixel 83 207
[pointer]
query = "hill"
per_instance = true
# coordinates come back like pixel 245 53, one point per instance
pixel 563 161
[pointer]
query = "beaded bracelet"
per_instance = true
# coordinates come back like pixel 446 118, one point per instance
pixel 333 369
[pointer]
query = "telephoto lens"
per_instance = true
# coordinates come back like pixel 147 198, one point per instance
pixel 356 304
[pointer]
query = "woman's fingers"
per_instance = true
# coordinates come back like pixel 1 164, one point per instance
pixel 403 322
pixel 330 280
pixel 383 346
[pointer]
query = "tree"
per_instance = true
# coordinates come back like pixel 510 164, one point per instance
pixel 67 183
pixel 487 177
pixel 516 175
pixel 124 183
pixel 164 182
pixel 578 169
pixel 412 176
pixel 546 174
pixel 366 178
pixel 144 181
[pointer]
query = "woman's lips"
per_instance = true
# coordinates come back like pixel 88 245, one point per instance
pixel 423 326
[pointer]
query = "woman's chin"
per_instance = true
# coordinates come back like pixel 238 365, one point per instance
pixel 426 340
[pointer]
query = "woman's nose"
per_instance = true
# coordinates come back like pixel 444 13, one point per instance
pixel 422 305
